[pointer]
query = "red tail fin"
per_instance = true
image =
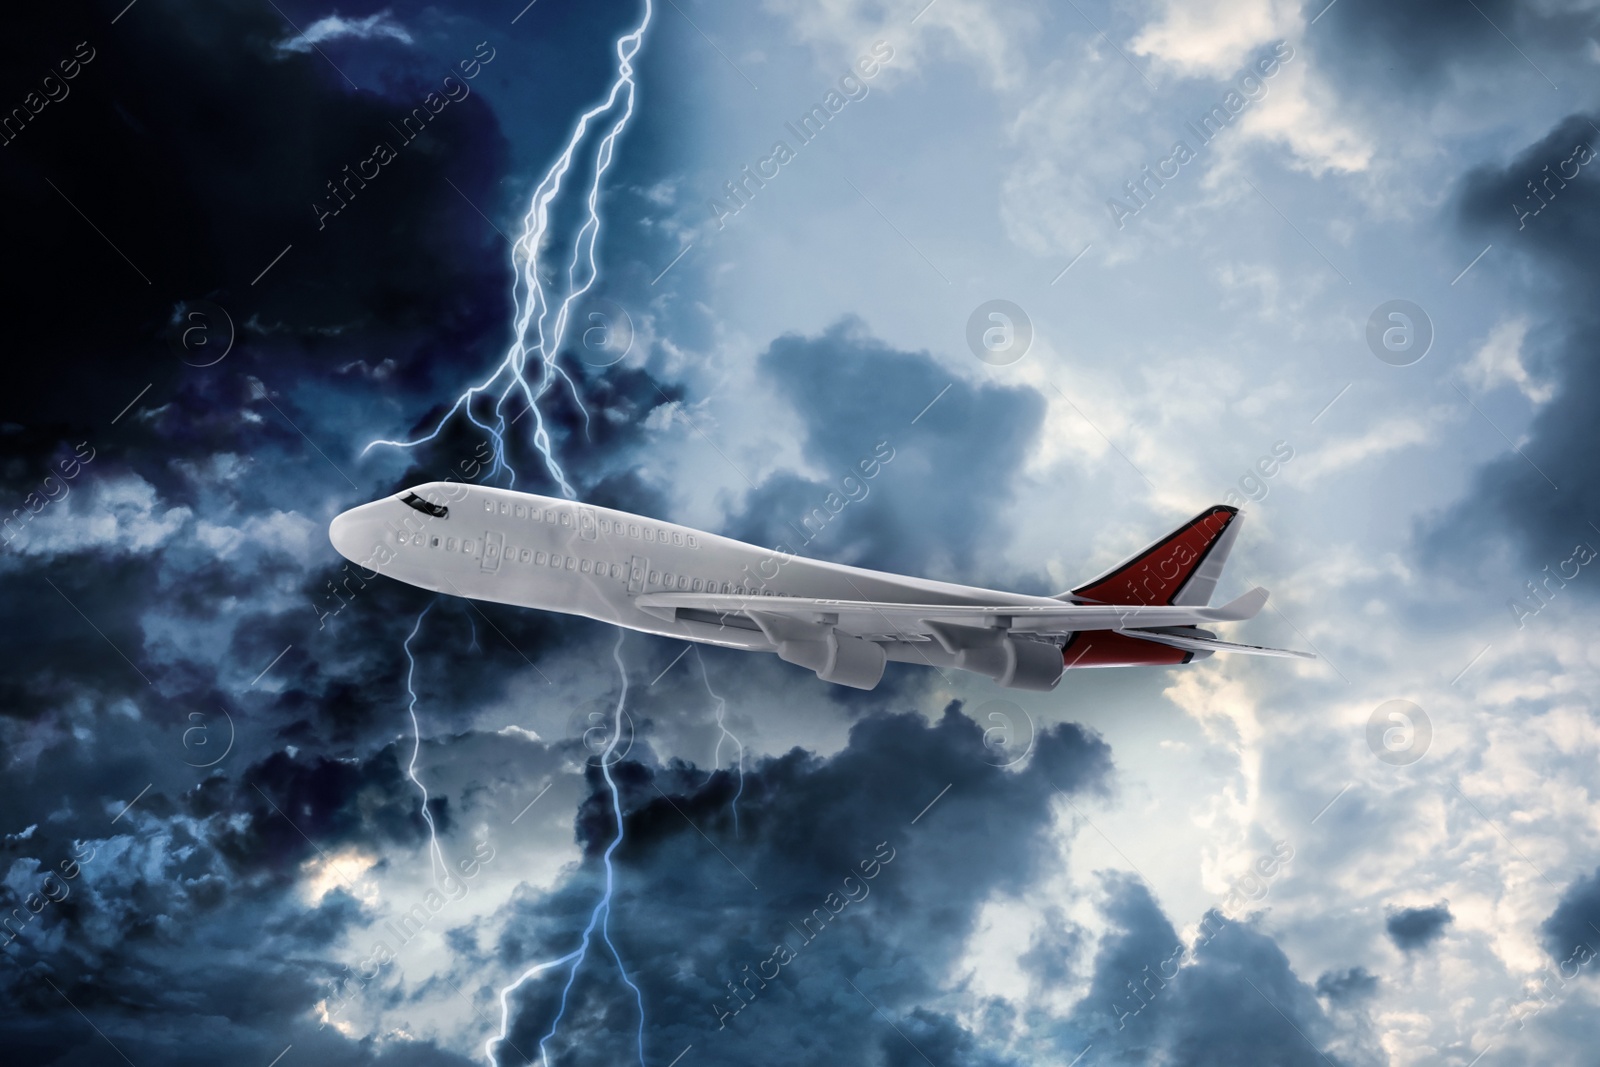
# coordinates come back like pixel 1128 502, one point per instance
pixel 1181 568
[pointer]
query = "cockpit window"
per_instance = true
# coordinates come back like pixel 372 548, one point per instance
pixel 438 511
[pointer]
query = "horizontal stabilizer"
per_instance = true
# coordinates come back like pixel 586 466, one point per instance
pixel 1211 644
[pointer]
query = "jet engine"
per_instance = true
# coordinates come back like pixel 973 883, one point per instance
pixel 1014 663
pixel 838 657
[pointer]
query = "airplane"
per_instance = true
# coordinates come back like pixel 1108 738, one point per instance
pixel 844 623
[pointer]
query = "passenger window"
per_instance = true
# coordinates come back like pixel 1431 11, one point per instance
pixel 566 520
pixel 661 535
pixel 505 508
pixel 549 516
pixel 571 563
pixel 649 534
pixel 691 541
pixel 449 544
pixel 521 511
pixel 584 567
pixel 435 542
pixel 538 559
pixel 654 577
pixel 677 539
pixel 633 530
pixel 683 581
pixel 697 584
pixel 527 556
pixel 488 505
pixel 555 561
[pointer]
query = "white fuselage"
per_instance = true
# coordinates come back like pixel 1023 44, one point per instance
pixel 559 555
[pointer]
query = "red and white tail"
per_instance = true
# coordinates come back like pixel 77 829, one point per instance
pixel 1181 568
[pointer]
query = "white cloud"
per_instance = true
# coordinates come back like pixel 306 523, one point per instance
pixel 1300 112
pixel 1215 37
pixel 1390 435
pixel 1074 152
pixel 285 531
pixel 333 27
pixel 120 514
pixel 1220 38
pixel 963 29
pixel 1499 361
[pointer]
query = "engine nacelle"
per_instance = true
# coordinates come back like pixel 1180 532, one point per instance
pixel 1015 664
pixel 843 659
pixel 1035 665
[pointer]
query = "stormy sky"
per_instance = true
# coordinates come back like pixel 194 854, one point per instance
pixel 1335 262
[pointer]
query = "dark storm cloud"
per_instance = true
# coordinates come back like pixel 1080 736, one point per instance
pixel 199 151
pixel 1246 1004
pixel 1129 959
pixel 1575 922
pixel 1558 251
pixel 183 933
pixel 1419 44
pixel 198 147
pixel 933 507
pixel 298 810
pixel 1050 956
pixel 1415 928
pixel 1348 986
pixel 693 914
pixel 1230 997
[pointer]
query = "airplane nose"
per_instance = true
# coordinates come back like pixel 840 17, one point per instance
pixel 356 534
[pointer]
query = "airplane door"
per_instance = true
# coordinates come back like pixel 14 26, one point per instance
pixel 494 543
pixel 586 528
pixel 636 572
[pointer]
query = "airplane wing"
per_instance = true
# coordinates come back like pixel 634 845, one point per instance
pixel 882 620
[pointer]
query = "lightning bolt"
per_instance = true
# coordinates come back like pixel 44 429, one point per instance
pixel 539 326
pixel 599 918
pixel 716 759
pixel 434 851
pixel 539 322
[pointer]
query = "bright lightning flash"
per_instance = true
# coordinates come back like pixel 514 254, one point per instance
pixel 538 330
pixel 416 748
pixel 727 735
pixel 600 917
pixel 541 318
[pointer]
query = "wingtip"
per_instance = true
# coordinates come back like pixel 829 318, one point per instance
pixel 1247 606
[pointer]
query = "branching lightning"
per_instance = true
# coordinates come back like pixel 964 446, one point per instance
pixel 437 855
pixel 600 917
pixel 539 328
pixel 727 735
pixel 540 323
